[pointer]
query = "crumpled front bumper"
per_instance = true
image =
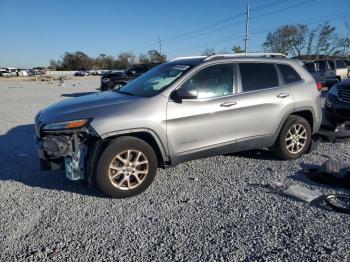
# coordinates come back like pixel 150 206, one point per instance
pixel 65 150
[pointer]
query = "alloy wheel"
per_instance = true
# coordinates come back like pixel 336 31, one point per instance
pixel 296 139
pixel 128 169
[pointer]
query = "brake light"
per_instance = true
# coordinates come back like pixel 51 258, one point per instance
pixel 319 86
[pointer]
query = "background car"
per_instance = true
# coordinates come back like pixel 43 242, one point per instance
pixel 115 80
pixel 81 73
pixel 337 104
pixel 4 73
pixel 329 71
pixel 322 72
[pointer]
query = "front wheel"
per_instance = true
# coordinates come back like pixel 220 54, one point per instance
pixel 126 167
pixel 294 138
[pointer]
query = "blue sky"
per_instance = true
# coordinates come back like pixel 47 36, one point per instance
pixel 35 31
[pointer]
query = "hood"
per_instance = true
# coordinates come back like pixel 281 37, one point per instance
pixel 84 106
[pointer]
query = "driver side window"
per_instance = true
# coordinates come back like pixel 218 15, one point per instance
pixel 211 82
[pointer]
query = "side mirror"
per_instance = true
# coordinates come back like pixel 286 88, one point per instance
pixel 133 72
pixel 184 93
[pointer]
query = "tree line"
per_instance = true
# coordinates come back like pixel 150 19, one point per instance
pixel 292 40
pixel 300 40
pixel 80 61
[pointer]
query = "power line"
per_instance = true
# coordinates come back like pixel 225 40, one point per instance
pixel 213 25
pixel 260 7
pixel 336 16
pixel 241 21
pixel 205 33
pixel 282 9
pixel 227 39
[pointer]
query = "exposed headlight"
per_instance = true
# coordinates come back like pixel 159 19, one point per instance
pixel 105 80
pixel 66 125
pixel 334 90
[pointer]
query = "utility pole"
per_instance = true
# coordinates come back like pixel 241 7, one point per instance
pixel 160 46
pixel 246 38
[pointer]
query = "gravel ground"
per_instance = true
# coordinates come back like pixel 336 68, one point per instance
pixel 209 209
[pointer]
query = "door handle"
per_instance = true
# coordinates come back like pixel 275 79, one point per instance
pixel 228 104
pixel 282 95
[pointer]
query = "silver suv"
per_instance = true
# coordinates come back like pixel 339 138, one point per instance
pixel 185 109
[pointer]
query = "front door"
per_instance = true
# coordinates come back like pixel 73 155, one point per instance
pixel 205 122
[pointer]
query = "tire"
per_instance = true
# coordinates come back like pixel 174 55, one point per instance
pixel 291 144
pixel 122 170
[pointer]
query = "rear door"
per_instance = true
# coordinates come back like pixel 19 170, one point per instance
pixel 262 102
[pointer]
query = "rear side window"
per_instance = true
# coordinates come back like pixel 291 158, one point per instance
pixel 340 64
pixel 258 76
pixel 322 65
pixel 310 67
pixel 289 74
pixel 331 65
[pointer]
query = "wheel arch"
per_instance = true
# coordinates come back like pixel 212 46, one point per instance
pixel 307 114
pixel 147 135
pixel 304 112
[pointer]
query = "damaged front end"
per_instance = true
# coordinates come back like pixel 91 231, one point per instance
pixel 66 146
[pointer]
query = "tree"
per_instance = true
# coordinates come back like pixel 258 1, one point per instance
pixel 124 60
pixel 156 57
pixel 143 59
pixel 237 49
pixel 76 61
pixel 288 40
pixel 208 52
pixel 325 36
pixel 55 65
pixel 310 41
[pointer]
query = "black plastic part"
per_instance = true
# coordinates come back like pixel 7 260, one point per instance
pixel 328 199
pixel 315 141
pixel 335 134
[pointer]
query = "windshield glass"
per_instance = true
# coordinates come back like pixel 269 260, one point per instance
pixel 155 80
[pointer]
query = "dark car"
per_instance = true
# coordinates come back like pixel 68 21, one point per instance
pixel 337 105
pixel 81 73
pixel 115 80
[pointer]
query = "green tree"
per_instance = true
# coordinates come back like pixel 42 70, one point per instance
pixel 156 57
pixel 237 49
pixel 288 40
pixel 325 39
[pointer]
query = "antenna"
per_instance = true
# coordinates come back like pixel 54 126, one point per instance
pixel 246 30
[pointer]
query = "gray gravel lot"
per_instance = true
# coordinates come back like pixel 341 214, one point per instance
pixel 202 210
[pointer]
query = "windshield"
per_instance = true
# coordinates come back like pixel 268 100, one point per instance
pixel 155 80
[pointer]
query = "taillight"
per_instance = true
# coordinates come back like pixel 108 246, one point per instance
pixel 319 86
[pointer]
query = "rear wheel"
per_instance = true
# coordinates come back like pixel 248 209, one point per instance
pixel 126 167
pixel 294 138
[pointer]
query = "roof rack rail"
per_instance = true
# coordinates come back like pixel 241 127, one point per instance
pixel 245 55
pixel 187 57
